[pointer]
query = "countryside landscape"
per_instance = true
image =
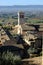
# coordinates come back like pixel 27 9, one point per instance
pixel 21 35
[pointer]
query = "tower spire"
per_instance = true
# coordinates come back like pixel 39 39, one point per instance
pixel 19 25
pixel 18 18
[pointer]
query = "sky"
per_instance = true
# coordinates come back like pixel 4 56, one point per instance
pixel 20 2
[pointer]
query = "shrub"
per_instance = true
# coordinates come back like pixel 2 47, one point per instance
pixel 41 53
pixel 10 58
pixel 17 60
pixel 32 52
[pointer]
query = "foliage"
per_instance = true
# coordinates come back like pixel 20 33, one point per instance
pixel 32 50
pixel 41 53
pixel 8 28
pixel 9 58
pixel 34 21
pixel 0 24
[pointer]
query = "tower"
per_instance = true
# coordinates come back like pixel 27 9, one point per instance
pixel 20 21
pixel 21 18
pixel 18 18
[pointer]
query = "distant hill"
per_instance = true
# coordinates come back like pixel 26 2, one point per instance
pixel 16 8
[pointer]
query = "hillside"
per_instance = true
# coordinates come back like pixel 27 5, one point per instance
pixel 33 61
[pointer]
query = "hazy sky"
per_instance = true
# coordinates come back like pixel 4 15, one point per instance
pixel 21 2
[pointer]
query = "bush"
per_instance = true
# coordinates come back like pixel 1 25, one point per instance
pixel 32 52
pixel 17 60
pixel 10 58
pixel 41 53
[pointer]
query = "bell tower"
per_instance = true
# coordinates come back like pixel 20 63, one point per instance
pixel 21 18
pixel 20 22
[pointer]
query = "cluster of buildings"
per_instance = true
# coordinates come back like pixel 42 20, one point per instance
pixel 3 36
pixel 32 33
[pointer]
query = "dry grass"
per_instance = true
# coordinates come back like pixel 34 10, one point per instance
pixel 33 61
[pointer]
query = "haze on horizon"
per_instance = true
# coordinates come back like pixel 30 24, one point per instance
pixel 20 2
